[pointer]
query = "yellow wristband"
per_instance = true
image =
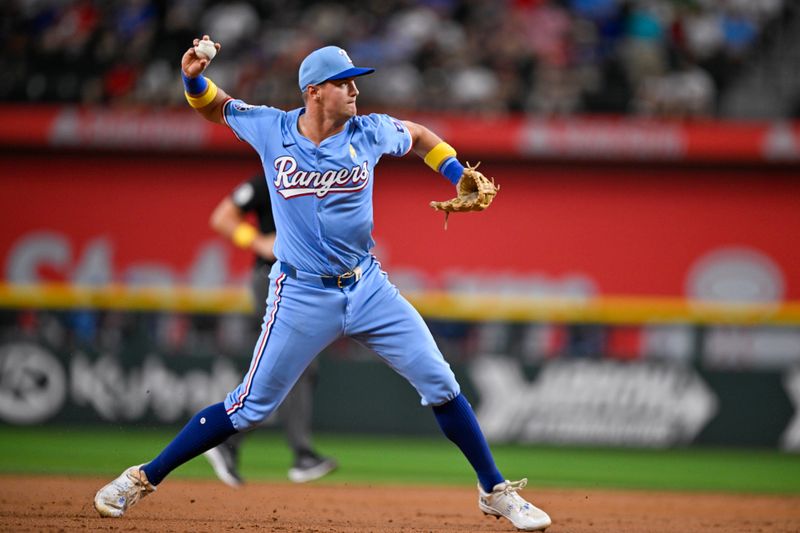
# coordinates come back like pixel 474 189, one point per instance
pixel 204 99
pixel 438 154
pixel 244 235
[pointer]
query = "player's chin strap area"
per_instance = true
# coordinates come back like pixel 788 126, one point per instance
pixel 350 277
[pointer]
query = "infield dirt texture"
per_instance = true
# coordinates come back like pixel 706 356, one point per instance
pixel 39 503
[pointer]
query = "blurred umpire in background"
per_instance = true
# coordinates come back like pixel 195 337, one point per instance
pixel 229 220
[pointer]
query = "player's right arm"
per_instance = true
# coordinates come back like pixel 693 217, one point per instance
pixel 252 124
pixel 202 94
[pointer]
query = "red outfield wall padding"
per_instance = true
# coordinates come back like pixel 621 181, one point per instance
pixel 554 229
pixel 605 138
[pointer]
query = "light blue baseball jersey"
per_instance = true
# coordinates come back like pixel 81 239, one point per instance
pixel 321 195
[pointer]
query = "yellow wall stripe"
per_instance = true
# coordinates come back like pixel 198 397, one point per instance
pixel 437 305
pixel 122 297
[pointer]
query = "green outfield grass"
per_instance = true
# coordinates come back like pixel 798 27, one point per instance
pixel 381 460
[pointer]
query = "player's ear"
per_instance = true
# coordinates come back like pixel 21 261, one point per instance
pixel 314 92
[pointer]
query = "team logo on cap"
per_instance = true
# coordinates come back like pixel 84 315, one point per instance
pixel 347 57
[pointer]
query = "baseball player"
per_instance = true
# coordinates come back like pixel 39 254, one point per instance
pixel 319 162
pixel 228 219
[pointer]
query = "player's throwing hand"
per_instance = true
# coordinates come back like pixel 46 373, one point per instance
pixel 193 64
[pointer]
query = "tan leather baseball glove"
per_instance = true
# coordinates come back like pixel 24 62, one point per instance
pixel 474 192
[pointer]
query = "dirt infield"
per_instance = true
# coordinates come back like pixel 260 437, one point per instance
pixel 63 504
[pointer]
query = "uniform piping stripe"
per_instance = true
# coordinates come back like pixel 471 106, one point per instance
pixel 411 142
pixel 222 111
pixel 380 267
pixel 261 348
pixel 225 105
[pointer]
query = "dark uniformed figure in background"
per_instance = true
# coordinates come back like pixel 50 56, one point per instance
pixel 229 220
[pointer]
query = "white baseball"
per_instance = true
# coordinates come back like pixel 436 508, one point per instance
pixel 205 49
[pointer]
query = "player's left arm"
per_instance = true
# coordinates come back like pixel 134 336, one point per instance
pixel 474 191
pixel 438 155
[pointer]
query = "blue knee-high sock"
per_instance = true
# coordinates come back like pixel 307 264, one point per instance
pixel 458 422
pixel 206 429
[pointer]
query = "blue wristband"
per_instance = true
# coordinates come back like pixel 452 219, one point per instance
pixel 196 85
pixel 452 169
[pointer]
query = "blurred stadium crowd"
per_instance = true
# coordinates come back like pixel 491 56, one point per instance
pixel 662 57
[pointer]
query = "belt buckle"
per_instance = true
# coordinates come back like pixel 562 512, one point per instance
pixel 347 275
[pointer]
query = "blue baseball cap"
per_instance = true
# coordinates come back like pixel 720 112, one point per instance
pixel 326 64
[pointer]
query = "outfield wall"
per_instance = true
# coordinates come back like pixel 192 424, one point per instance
pixel 645 301
pixel 577 400
pixel 580 231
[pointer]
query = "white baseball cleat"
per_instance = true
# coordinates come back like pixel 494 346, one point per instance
pixel 116 497
pixel 504 501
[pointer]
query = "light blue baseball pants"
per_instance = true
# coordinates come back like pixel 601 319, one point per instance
pixel 303 317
